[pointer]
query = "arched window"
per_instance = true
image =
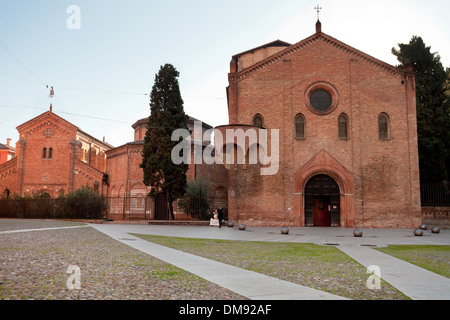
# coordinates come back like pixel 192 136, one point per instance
pixel 300 125
pixel 44 153
pixel 258 121
pixel 343 126
pixel 383 127
pixel 50 153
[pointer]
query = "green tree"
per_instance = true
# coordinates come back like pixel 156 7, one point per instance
pixel 166 115
pixel 197 200
pixel 84 203
pixel 433 108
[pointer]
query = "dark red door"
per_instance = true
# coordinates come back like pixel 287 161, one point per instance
pixel 161 209
pixel 321 212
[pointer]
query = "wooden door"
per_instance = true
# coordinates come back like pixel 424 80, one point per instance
pixel 161 208
pixel 325 188
pixel 321 212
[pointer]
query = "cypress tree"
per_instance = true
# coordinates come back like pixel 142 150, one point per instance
pixel 166 115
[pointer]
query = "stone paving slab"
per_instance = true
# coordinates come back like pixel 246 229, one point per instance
pixel 415 282
pixel 40 229
pixel 250 284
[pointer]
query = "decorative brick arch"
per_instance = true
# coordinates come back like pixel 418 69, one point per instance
pixel 324 163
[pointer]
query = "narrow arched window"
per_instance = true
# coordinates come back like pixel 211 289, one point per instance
pixel 258 121
pixel 50 153
pixel 383 127
pixel 300 125
pixel 44 153
pixel 343 126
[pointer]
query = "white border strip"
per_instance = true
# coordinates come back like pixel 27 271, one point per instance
pixel 40 229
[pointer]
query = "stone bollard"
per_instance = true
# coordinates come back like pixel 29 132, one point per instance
pixel 284 230
pixel 242 226
pixel 423 227
pixel 230 224
pixel 435 230
pixel 357 233
pixel 418 232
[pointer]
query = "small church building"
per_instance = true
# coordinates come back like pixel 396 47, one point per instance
pixel 347 148
pixel 53 157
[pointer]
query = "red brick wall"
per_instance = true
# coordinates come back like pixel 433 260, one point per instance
pixel 88 175
pixel 3 156
pixel 117 168
pixel 385 173
pixel 63 172
pixel 45 174
pixel 8 177
pixel 125 174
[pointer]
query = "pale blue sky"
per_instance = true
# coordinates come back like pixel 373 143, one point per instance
pixel 102 71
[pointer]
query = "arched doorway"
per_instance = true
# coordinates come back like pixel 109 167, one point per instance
pixel 322 202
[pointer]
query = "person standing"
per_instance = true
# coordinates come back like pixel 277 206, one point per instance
pixel 214 218
pixel 220 216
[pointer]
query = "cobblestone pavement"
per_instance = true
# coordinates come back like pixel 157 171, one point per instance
pixel 34 265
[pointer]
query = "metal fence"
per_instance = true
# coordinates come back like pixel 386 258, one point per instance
pixel 435 195
pixel 129 208
pixel 113 208
pixel 53 208
pixel 144 208
pixel 196 208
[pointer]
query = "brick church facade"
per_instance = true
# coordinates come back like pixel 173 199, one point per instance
pixel 347 137
pixel 54 157
pixel 347 145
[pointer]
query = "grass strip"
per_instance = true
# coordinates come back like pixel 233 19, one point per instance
pixel 320 267
pixel 435 258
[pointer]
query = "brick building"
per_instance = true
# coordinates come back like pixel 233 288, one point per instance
pixel 347 137
pixel 346 149
pixel 53 156
pixel 7 151
pixel 129 194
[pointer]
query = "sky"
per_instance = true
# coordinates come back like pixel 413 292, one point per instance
pixel 102 63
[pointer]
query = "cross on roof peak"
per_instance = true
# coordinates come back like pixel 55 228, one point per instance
pixel 318 8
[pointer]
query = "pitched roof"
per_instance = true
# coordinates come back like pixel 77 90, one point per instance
pixel 191 120
pixel 276 43
pixel 104 143
pixel 4 146
pixel 36 120
pixel 42 116
pixel 319 36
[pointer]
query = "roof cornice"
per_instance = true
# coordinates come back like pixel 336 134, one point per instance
pixel 319 36
pixel 41 117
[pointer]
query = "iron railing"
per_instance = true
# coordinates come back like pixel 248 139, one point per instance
pixel 129 208
pixel 53 208
pixel 435 195
pixel 112 208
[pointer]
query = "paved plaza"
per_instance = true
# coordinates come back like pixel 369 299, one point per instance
pixel 415 282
